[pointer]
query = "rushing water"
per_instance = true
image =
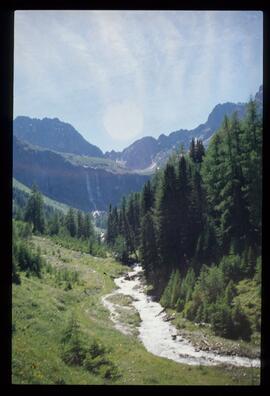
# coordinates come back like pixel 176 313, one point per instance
pixel 159 336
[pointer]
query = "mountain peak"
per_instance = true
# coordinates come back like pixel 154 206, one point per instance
pixel 144 152
pixel 53 134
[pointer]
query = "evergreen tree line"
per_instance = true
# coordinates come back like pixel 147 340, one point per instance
pixel 23 257
pixel 203 209
pixel 46 220
pixel 33 217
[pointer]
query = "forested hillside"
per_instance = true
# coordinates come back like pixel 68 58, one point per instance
pixel 196 228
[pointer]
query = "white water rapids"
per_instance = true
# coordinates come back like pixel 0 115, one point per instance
pixel 160 337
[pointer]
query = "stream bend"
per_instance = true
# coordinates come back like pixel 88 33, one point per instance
pixel 158 336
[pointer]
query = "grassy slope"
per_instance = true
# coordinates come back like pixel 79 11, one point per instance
pixel 48 201
pixel 41 308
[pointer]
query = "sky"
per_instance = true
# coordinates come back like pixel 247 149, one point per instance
pixel 117 76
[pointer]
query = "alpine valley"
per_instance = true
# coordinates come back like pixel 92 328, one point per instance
pixel 66 168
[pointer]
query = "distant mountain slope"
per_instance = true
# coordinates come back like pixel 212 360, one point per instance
pixel 148 151
pixel 80 186
pixel 47 201
pixel 53 134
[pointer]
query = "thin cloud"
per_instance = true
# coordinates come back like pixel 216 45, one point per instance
pixel 173 66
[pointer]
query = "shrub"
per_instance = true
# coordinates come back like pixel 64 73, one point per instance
pixel 121 250
pixel 92 358
pixel 241 324
pixel 28 261
pixel 15 275
pixel 74 352
pixel 232 268
pixel 221 320
pixel 94 364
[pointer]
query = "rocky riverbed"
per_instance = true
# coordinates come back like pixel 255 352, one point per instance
pixel 162 338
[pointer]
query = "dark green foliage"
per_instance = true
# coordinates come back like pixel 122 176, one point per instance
pixel 77 352
pixel 120 248
pixel 258 271
pixel 34 212
pixel 54 224
pixel 230 293
pixel 80 224
pixel 147 201
pixel 148 249
pixel 87 227
pixel 171 294
pixel 232 176
pixel 199 225
pixel 15 275
pixel 28 260
pixel 196 151
pixel 168 238
pixel 241 324
pixel 221 320
pixel 71 223
pixel 187 285
pixel 74 351
pixel 112 226
pixel 232 268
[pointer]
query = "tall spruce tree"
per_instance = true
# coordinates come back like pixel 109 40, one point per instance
pixel 80 224
pixel 148 249
pixel 252 169
pixel 168 238
pixel 182 224
pixel 71 222
pixel 34 212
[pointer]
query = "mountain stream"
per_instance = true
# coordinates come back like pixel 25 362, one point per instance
pixel 159 336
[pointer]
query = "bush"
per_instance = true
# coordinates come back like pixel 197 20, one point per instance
pixel 221 320
pixel 94 364
pixel 232 268
pixel 110 371
pixel 15 276
pixel 241 324
pixel 92 358
pixel 120 248
pixel 27 260
pixel 258 271
pixel 74 353
pixel 190 310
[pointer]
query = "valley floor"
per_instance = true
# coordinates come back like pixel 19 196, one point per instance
pixel 75 282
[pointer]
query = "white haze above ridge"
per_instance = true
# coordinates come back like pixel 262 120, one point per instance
pixel 119 75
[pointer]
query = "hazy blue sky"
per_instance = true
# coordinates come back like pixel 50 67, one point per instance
pixel 119 75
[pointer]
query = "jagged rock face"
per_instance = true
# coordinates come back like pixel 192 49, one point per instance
pixel 53 134
pixel 77 186
pixel 143 150
pixel 87 187
pixel 148 151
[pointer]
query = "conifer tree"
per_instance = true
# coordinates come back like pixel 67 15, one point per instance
pixel 110 227
pixel 34 212
pixel 192 152
pixel 147 198
pixel 88 228
pixel 183 226
pixel 71 223
pixel 54 226
pixel 252 169
pixel 80 224
pixel 148 248
pixel 168 238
